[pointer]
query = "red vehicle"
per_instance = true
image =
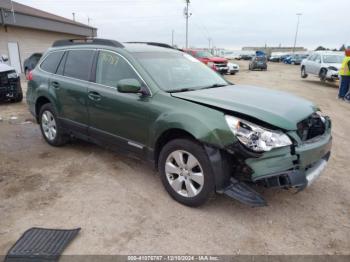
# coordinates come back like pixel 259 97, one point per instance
pixel 217 63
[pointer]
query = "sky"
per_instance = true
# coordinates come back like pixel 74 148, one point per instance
pixel 228 23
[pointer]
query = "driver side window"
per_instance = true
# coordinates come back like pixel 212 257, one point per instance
pixel 112 68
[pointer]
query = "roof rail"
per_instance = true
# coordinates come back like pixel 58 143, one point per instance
pixel 153 43
pixel 87 41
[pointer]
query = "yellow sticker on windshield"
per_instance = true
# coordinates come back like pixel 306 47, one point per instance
pixel 109 58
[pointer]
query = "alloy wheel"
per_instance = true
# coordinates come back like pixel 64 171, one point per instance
pixel 48 124
pixel 184 173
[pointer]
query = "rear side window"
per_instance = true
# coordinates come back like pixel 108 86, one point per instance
pixel 51 62
pixel 78 64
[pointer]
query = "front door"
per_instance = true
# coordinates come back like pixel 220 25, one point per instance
pixel 117 119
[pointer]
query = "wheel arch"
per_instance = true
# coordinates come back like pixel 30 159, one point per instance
pixel 165 137
pixel 40 101
pixel 322 68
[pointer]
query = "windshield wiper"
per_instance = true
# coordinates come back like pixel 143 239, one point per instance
pixel 180 90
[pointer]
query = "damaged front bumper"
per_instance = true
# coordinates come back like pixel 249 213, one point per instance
pixel 297 167
pixel 10 88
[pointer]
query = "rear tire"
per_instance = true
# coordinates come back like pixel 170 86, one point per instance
pixel 50 126
pixel 303 72
pixel 186 172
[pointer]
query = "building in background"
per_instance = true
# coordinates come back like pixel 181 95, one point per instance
pixel 25 30
pixel 268 50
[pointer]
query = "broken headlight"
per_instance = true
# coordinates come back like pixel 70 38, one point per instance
pixel 256 138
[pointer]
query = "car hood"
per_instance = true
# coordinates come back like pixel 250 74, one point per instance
pixel 336 65
pixel 5 67
pixel 217 59
pixel 276 108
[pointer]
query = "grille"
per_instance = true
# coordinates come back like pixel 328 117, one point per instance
pixel 220 64
pixel 311 127
pixel 3 79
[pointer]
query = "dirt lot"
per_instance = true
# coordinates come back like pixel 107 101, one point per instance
pixel 122 207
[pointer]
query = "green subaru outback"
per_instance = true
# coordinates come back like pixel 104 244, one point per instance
pixel 203 134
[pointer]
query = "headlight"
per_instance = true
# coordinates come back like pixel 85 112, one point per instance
pixel 322 116
pixel 12 75
pixel 256 138
pixel 211 65
pixel 333 68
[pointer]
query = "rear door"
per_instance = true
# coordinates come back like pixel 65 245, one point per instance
pixel 309 63
pixel 120 120
pixel 70 85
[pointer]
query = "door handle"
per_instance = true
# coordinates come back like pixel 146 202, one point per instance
pixel 93 95
pixel 55 84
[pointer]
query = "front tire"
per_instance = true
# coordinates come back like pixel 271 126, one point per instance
pixel 186 172
pixel 323 75
pixel 50 126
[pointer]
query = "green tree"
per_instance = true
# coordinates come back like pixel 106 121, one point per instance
pixel 320 48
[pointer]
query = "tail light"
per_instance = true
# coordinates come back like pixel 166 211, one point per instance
pixel 30 76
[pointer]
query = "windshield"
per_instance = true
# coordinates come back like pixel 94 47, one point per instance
pixel 336 59
pixel 178 71
pixel 203 54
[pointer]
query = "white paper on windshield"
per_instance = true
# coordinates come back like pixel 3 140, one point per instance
pixel 191 58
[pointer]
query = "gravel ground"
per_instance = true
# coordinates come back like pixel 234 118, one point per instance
pixel 122 208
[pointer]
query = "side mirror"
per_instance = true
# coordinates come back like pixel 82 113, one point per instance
pixel 4 58
pixel 129 85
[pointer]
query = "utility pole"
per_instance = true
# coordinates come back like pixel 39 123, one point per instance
pixel 172 37
pixel 296 33
pixel 187 15
pixel 13 13
pixel 209 41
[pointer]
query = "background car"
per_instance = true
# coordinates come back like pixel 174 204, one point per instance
pixel 275 58
pixel 295 59
pixel 218 64
pixel 323 64
pixel 31 62
pixel 232 68
pixel 283 57
pixel 246 57
pixel 10 84
pixel 258 62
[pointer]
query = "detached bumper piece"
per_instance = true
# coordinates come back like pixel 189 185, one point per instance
pixel 244 194
pixel 41 245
